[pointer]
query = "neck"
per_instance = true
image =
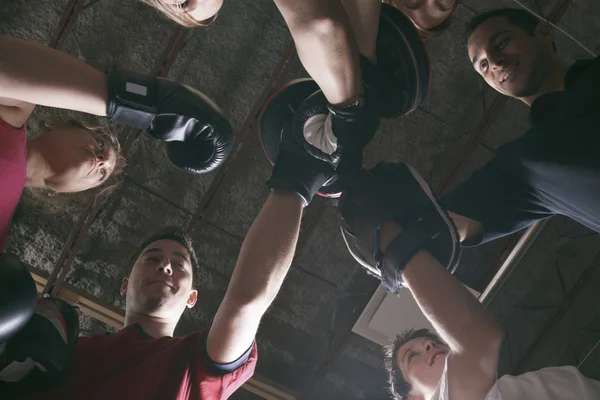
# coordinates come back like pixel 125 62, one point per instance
pixel 554 82
pixel 419 396
pixel 37 168
pixel 427 394
pixel 153 326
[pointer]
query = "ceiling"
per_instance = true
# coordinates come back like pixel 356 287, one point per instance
pixel 306 346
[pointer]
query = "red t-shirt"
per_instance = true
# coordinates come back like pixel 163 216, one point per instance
pixel 13 165
pixel 130 365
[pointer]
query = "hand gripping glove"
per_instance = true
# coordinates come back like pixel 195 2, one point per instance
pixel 198 136
pixel 39 355
pixel 298 171
pixel 335 134
pixel 395 191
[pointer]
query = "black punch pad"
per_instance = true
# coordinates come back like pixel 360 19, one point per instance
pixel 279 108
pixel 402 55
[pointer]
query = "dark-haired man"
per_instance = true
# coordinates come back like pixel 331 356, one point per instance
pixel 144 360
pixel 554 167
pixel 392 223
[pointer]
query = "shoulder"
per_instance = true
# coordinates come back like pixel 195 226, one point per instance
pixel 15 116
pixel 241 371
pixel 226 377
pixel 465 381
pixel 7 126
pixel 246 362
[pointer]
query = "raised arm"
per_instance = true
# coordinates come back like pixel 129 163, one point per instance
pixel 34 74
pixel 263 263
pixel 472 334
pixel 418 252
pixel 267 251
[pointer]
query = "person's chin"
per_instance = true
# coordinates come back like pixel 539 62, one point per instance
pixel 515 88
pixel 154 301
pixel 65 186
pixel 205 10
pixel 157 291
pixel 161 290
pixel 525 84
pixel 520 90
pixel 201 15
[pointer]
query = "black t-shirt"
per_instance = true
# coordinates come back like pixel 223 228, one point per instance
pixel 554 168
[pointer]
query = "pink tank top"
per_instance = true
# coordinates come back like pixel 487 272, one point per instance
pixel 13 163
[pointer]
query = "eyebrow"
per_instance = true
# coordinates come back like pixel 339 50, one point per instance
pixel 443 7
pixel 181 255
pixel 154 250
pixel 414 5
pixel 491 40
pixel 110 170
pixel 159 250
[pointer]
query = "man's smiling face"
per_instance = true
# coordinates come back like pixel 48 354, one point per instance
pixel 160 282
pixel 509 59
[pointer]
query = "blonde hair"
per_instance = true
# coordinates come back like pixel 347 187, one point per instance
pixel 40 197
pixel 177 15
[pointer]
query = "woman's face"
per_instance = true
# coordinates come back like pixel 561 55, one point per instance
pixel 77 159
pixel 198 10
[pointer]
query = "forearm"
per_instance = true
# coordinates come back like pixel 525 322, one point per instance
pixel 263 263
pixel 8 102
pixel 32 73
pixel 459 318
pixel 364 18
pixel 267 252
pixel 326 46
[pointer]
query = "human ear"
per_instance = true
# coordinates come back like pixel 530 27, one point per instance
pixel 123 289
pixel 192 298
pixel 544 31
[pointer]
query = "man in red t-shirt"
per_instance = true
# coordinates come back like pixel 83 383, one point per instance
pixel 143 360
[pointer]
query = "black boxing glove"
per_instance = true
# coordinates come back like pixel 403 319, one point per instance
pixel 296 170
pixel 17 296
pixel 335 134
pixel 198 136
pixel 39 355
pixel 395 192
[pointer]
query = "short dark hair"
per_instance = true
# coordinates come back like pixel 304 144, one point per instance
pixel 176 235
pixel 516 16
pixel 523 19
pixel 398 386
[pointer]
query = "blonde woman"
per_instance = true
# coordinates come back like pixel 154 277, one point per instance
pixel 69 158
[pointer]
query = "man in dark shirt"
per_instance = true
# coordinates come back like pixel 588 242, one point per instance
pixel 554 168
